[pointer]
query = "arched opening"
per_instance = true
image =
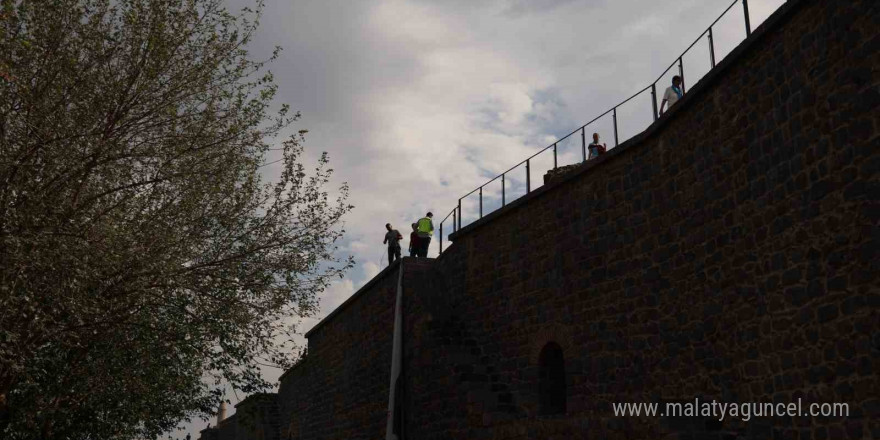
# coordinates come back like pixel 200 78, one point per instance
pixel 551 380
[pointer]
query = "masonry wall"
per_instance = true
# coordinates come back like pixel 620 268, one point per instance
pixel 728 253
pixel 340 390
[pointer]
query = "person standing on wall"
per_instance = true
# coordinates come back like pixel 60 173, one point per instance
pixel 414 241
pixel 392 237
pixel 673 94
pixel 596 148
pixel 426 231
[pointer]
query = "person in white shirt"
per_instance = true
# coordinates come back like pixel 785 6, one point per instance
pixel 673 94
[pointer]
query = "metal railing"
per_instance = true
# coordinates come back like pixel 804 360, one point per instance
pixel 456 212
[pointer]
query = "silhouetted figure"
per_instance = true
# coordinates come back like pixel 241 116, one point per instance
pixel 414 241
pixel 392 237
pixel 673 93
pixel 426 231
pixel 596 148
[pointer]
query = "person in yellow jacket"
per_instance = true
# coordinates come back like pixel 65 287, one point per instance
pixel 426 231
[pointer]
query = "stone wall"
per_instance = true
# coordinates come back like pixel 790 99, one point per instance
pixel 729 252
pixel 340 390
pixel 255 418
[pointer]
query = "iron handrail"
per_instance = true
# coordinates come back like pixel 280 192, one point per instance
pixel 457 217
pixel 697 40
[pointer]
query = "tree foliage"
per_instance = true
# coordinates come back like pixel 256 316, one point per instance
pixel 143 260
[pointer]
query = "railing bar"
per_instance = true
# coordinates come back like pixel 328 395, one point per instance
pixel 565 137
pixel 584 142
pixel 615 126
pixel 711 48
pixel 654 99
pixel 597 117
pixel 582 128
pixel 493 179
pixel 475 190
pixel 697 40
pixel 502 190
pixel 517 165
pixel 545 149
pixel 528 177
pixel 723 13
pixel 447 215
pixel 441 237
pixel 681 74
pixel 631 97
pixel 682 54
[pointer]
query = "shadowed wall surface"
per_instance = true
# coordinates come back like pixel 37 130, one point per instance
pixel 729 252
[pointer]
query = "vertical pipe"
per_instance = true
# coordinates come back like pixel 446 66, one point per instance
pixel 554 156
pixel 441 238
pixel 746 14
pixel 459 214
pixel 481 202
pixel 614 115
pixel 681 73
pixel 654 99
pixel 528 178
pixel 711 48
pixel 503 202
pixel 584 142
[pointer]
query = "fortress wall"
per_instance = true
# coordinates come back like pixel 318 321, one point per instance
pixel 340 390
pixel 730 253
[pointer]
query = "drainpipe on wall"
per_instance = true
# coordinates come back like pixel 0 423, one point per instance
pixel 221 413
pixel 394 428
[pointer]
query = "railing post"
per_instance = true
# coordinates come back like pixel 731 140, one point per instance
pixel 459 214
pixel 441 237
pixel 711 48
pixel 681 73
pixel 654 99
pixel 614 115
pixel 454 221
pixel 584 142
pixel 502 191
pixel 554 156
pixel 746 14
pixel 481 202
pixel 528 177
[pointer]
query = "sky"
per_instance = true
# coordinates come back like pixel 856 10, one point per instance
pixel 418 102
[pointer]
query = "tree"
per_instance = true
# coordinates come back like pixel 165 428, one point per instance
pixel 143 260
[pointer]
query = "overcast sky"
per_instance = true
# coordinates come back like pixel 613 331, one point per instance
pixel 420 101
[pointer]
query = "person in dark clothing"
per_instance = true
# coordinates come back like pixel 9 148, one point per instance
pixel 414 241
pixel 392 237
pixel 596 148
